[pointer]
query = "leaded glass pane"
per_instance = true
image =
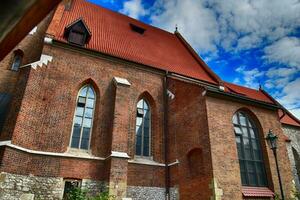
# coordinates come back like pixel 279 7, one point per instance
pixel 249 151
pixel 245 132
pixel 79 111
pixel 252 134
pixel 146 105
pixel 143 129
pixel 87 122
pixel 76 136
pixel 83 118
pixel 83 92
pixel 88 113
pixel 90 103
pixel 146 123
pixel 238 130
pixel 244 178
pixel 235 119
pixel 78 121
pixel 140 104
pixel 252 178
pixel 242 120
pixel 85 138
pixel 91 93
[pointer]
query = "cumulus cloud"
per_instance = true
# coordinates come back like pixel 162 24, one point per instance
pixel 285 51
pixel 281 72
pixel 133 8
pixel 251 77
pixel 291 94
pixel 196 23
pixel 255 20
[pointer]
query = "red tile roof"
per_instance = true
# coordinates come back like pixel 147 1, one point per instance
pixel 288 118
pixel 248 92
pixel 111 34
pixel 261 95
pixel 257 192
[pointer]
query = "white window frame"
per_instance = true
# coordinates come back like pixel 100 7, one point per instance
pixel 150 157
pixel 81 130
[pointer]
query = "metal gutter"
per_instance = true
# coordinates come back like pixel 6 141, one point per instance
pixel 215 92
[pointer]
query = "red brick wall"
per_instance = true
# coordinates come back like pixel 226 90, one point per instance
pixel 224 151
pixel 146 175
pixel 45 119
pixel 32 46
pixel 14 82
pixel 187 132
pixel 19 162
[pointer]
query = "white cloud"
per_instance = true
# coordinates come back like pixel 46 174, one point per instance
pixel 281 72
pixel 251 78
pixel 254 20
pixel 296 112
pixel 195 22
pixel 291 93
pixel 134 9
pixel 291 96
pixel 285 51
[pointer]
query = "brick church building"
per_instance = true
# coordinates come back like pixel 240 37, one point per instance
pixel 97 99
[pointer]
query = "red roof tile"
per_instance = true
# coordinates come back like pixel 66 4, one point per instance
pixel 288 119
pixel 261 95
pixel 248 92
pixel 111 34
pixel 257 192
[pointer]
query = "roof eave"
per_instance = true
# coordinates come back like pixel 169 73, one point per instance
pixel 215 92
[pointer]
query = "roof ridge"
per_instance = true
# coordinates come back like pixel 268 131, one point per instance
pixel 198 58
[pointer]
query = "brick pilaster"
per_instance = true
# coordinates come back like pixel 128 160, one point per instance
pixel 118 158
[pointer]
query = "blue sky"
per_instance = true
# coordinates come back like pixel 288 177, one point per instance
pixel 247 42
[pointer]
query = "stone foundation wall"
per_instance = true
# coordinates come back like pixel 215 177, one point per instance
pixel 94 187
pixel 150 193
pixel 20 187
pixel 17 187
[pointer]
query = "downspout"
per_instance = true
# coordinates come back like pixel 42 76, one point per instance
pixel 166 110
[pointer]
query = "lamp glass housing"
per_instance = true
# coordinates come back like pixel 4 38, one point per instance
pixel 272 140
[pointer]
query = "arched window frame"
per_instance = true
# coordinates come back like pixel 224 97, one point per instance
pixel 137 124
pixel 248 131
pixel 89 86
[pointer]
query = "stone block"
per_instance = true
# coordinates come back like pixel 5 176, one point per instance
pixel 27 196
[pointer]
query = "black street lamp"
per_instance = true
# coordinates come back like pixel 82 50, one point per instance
pixel 272 141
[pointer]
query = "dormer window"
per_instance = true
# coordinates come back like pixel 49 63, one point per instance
pixel 77 33
pixel 137 29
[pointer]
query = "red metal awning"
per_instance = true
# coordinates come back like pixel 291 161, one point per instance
pixel 257 192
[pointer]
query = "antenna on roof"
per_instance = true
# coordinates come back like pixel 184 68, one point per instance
pixel 176 28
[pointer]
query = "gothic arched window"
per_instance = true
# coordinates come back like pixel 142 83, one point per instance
pixel 143 129
pixel 249 151
pixel 83 119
